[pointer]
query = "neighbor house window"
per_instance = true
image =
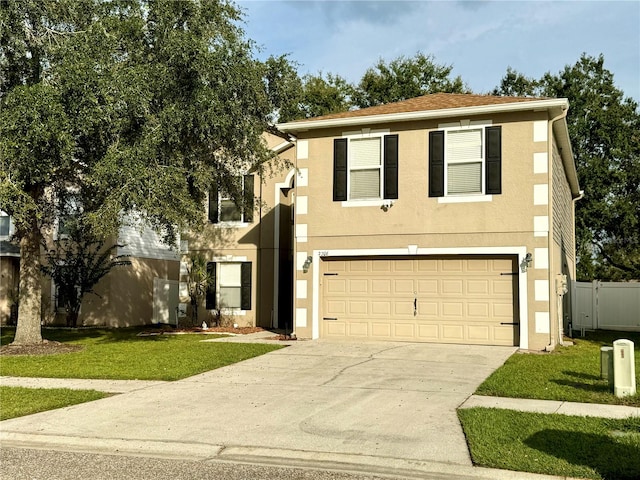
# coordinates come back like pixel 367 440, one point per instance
pixel 69 208
pixel 465 162
pixel 365 168
pixel 230 286
pixel 5 224
pixel 223 207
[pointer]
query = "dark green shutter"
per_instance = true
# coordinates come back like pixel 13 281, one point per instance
pixel 493 160
pixel 436 164
pixel 339 169
pixel 213 204
pixel 391 166
pixel 248 198
pixel 210 299
pixel 245 283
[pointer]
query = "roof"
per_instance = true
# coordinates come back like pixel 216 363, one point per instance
pixel 427 106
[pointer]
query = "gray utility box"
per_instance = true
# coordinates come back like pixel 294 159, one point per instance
pixel 606 365
pixel 624 368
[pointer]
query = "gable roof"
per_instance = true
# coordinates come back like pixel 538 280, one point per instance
pixel 427 106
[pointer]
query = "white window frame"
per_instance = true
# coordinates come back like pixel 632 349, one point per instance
pixel 365 134
pixel 57 235
pixel 220 285
pixel 231 223
pixel 448 162
pixel 11 227
pixel 237 311
pixel 465 197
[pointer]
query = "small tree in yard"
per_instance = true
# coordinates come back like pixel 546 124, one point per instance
pixel 199 278
pixel 76 264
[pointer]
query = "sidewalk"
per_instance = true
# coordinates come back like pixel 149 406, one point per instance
pixel 519 404
pixel 553 406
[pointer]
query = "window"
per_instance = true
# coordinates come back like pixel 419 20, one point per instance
pixel 5 225
pixel 230 287
pixel 465 162
pixel 70 206
pixel 223 208
pixel 365 168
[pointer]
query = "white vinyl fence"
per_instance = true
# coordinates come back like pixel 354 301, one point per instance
pixel 606 306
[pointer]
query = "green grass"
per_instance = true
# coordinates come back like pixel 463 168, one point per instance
pixel 569 373
pixel 19 401
pixel 583 447
pixel 121 355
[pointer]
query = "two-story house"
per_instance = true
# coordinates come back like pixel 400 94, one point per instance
pixel 444 218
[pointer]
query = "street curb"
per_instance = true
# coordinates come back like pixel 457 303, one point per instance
pixel 326 461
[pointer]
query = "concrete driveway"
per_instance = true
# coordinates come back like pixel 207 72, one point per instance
pixel 385 405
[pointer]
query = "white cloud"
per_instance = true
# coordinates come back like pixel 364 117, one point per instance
pixel 480 39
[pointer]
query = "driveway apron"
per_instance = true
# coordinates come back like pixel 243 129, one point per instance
pixel 313 399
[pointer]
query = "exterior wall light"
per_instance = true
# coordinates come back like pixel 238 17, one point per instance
pixel 526 262
pixel 307 264
pixel 386 206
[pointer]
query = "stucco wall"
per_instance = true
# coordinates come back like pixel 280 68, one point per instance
pixel 518 217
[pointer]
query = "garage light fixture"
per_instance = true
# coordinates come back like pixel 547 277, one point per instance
pixel 307 264
pixel 526 262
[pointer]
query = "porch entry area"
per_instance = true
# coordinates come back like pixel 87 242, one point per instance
pixel 443 299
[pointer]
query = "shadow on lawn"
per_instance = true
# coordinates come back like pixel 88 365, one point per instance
pixel 584 381
pixel 97 335
pixel 609 457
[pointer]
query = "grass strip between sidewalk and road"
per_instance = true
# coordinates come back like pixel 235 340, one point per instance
pixel 570 373
pixel 119 354
pixel 19 401
pixel 553 444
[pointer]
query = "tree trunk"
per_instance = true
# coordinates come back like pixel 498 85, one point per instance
pixel 28 330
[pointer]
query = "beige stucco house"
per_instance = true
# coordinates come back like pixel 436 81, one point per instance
pixel 444 218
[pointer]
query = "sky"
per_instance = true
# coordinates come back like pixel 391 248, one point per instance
pixel 479 39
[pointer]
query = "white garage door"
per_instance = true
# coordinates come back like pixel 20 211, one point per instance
pixel 426 299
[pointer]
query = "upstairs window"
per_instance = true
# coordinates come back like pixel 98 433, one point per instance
pixel 70 207
pixel 224 209
pixel 365 168
pixel 465 162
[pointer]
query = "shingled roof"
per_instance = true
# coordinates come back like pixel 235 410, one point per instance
pixel 428 106
pixel 434 101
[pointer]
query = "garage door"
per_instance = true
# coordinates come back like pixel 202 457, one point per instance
pixel 427 299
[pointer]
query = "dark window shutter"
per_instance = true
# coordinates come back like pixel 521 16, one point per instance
pixel 213 204
pixel 248 198
pixel 391 166
pixel 436 164
pixel 493 160
pixel 210 298
pixel 339 169
pixel 245 283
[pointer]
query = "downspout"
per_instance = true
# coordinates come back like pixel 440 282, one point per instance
pixel 552 281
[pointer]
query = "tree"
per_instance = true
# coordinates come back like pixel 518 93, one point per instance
pixel 404 78
pixel 604 128
pixel 135 105
pixel 76 264
pixel 199 279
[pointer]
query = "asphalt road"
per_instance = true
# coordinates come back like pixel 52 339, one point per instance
pixel 28 464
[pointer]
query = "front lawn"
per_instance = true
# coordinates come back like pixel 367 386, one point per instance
pixel 19 401
pixel 569 373
pixel 120 354
pixel 583 447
